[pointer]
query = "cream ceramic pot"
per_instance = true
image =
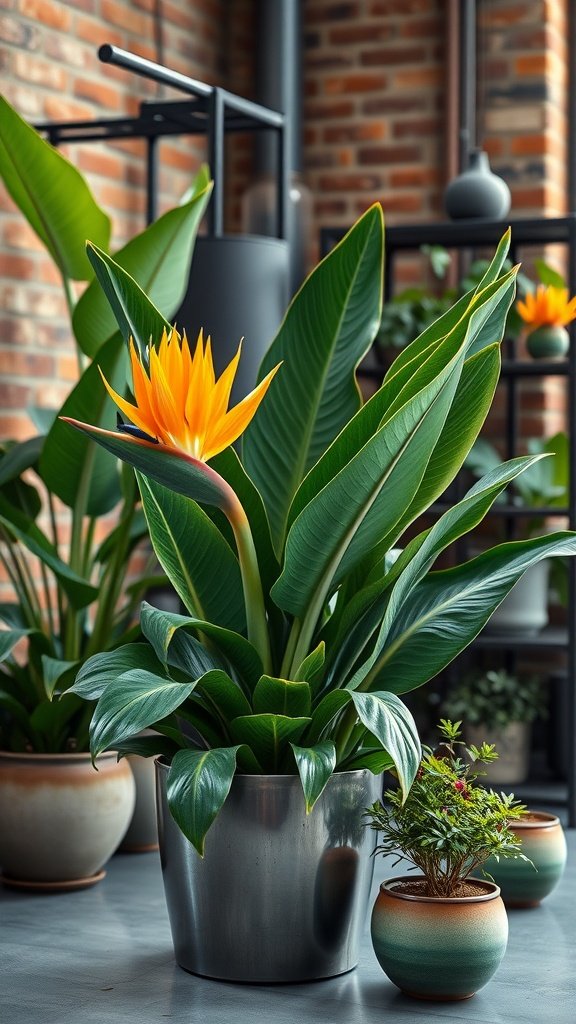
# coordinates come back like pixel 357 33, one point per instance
pixel 60 818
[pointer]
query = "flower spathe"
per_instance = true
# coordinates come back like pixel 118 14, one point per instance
pixel 547 306
pixel 180 402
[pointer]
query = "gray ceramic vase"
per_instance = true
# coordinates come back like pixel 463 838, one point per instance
pixel 477 192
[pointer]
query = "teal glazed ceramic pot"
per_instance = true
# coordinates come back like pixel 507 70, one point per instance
pixel 548 342
pixel 543 842
pixel 437 948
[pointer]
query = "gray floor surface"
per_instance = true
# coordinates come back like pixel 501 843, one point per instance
pixel 104 955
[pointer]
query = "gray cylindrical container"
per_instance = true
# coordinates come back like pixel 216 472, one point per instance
pixel 280 895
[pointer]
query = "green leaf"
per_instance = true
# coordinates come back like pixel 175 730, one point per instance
pixel 547 274
pixel 201 566
pixel 281 697
pixel 312 665
pixel 54 670
pixel 158 259
pixel 70 465
pixel 101 669
pixel 222 696
pixel 78 590
pixel 19 457
pixel 176 645
pixel 148 746
pixel 8 640
pixel 405 380
pixel 237 650
pixel 52 195
pixel 328 328
pixel 267 735
pixel 365 500
pixel 198 784
pixel 315 766
pixel 375 759
pixel 325 714
pixel 136 315
pixel 448 609
pixel 388 719
pixel 132 702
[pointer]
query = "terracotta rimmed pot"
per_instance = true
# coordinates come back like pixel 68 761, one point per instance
pixel 61 819
pixel 439 948
pixel 543 842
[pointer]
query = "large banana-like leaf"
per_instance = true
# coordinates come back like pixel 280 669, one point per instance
pixel 404 384
pixel 201 566
pixel 363 502
pixel 132 702
pixel 136 315
pixel 52 195
pixel 198 784
pixel 158 259
pixel 222 696
pixel 315 766
pixel 376 605
pixel 448 609
pixel 70 464
pixel 328 327
pixel 237 650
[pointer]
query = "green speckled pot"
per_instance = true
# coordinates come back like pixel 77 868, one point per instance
pixel 544 843
pixel 548 342
pixel 440 949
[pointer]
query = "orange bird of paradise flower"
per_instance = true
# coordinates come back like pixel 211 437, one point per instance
pixel 547 306
pixel 180 403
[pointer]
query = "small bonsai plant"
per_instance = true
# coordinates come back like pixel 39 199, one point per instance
pixel 495 698
pixel 449 825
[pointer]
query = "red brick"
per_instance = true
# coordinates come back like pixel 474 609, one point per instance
pixel 529 145
pixel 354 83
pixel 19 267
pixel 36 71
pixel 96 91
pixel 355 131
pixel 53 15
pixel 385 56
pixel 389 155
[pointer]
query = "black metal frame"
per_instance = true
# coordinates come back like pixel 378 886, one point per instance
pixel 213 112
pixel 472 234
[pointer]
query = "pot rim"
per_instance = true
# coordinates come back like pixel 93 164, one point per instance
pixel 162 761
pixel 71 756
pixel 545 820
pixel 492 891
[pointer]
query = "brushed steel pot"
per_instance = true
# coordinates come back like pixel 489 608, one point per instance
pixel 280 895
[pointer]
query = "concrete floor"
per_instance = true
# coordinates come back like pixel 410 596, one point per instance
pixel 104 956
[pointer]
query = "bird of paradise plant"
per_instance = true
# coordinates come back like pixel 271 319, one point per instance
pixel 301 630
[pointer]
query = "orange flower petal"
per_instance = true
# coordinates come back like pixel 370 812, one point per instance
pixel 235 422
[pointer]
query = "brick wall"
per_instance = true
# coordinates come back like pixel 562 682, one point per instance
pixel 375 111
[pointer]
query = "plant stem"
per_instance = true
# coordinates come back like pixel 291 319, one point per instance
pixel 251 583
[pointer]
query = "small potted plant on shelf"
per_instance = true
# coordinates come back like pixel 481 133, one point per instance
pixel 500 707
pixel 442 934
pixel 71 600
pixel 546 311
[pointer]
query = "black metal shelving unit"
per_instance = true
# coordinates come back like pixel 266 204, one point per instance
pixel 530 232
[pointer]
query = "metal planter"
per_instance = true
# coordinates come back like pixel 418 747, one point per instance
pixel 279 896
